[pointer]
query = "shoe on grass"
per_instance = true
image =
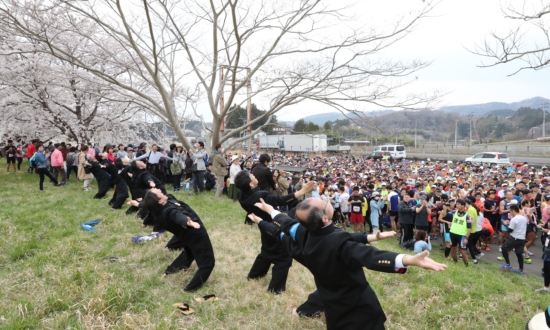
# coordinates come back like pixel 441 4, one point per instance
pixel 506 267
pixel 542 290
pixel 475 261
pixel 518 271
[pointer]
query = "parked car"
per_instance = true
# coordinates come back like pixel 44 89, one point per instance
pixel 379 154
pixel 489 158
pixel 398 151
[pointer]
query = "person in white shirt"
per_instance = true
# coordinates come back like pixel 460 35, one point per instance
pixel 153 161
pixel 517 228
pixel 344 208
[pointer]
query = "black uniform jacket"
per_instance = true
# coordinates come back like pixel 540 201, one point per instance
pixel 249 198
pixel 173 218
pixel 336 260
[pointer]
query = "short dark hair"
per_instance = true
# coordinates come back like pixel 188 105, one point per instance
pixel 73 149
pixel 151 202
pixel 461 202
pixel 264 158
pixel 242 180
pixel 218 146
pixel 314 219
pixel 201 144
pixel 514 207
pixel 209 164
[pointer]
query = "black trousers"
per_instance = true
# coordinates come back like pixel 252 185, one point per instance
pixel 120 195
pixel 279 273
pixel 44 172
pixel 176 181
pixel 406 232
pixel 102 188
pixel 198 181
pixel 472 241
pixel 202 253
pixel 546 270
pixel 313 306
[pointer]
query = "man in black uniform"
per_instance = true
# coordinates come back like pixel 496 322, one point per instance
pixel 336 261
pixel 178 218
pixel 272 251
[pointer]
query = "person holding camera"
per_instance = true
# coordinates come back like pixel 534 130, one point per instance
pixel 422 242
pixel 198 168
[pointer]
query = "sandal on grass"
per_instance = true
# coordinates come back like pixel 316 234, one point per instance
pixel 92 223
pixel 184 308
pixel 210 297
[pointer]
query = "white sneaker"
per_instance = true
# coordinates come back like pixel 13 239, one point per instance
pixel 542 290
pixel 530 253
pixel 500 249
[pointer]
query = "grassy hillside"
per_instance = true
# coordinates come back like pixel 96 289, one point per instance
pixel 55 275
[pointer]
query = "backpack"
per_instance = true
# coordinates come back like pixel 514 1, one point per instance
pixel 175 168
pixel 409 245
pixel 32 161
pixel 70 159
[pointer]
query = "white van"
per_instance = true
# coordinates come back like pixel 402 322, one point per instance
pixel 397 151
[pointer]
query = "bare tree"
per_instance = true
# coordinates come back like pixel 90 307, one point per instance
pixel 169 53
pixel 513 45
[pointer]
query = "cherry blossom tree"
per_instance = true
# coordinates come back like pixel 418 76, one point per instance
pixel 170 56
pixel 43 97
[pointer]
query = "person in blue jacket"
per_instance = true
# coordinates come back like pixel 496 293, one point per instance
pixel 376 205
pixel 41 168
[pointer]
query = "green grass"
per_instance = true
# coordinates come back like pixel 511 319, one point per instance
pixel 55 275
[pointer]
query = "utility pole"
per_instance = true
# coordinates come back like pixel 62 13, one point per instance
pixel 544 107
pixel 415 127
pixel 471 115
pixel 456 132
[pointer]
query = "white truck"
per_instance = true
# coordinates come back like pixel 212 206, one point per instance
pixel 270 142
pixel 304 143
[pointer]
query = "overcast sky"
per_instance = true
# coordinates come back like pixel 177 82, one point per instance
pixel 443 39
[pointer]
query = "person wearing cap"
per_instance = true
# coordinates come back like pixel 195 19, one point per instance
pixel 376 204
pixel 505 216
pixel 517 228
pixel 460 231
pixel 422 209
pixel 178 165
pixel 406 217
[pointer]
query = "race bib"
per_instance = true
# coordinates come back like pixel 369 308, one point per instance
pixel 357 209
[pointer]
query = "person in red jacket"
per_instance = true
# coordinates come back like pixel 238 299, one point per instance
pixel 31 149
pixel 487 227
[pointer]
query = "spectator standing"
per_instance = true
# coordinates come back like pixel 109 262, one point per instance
pixel 31 149
pixel 219 166
pixel 263 174
pixel 198 168
pixel 232 191
pixel 82 175
pixel 72 163
pixel 41 167
pixel 11 152
pixel 58 164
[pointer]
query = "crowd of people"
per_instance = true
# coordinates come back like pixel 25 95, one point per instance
pixel 468 209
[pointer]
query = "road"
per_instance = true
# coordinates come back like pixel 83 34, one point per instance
pixel 530 159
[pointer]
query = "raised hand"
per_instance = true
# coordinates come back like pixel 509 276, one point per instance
pixel 264 207
pixel 421 260
pixel 380 236
pixel 193 224
pixel 256 219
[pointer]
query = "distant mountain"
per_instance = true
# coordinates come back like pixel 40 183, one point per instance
pixel 501 113
pixel 322 118
pixel 483 109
